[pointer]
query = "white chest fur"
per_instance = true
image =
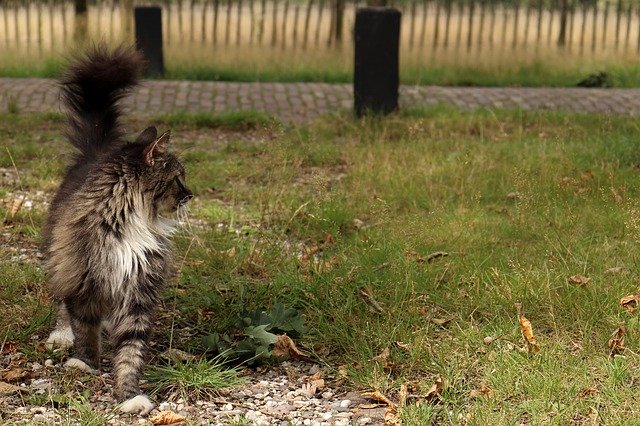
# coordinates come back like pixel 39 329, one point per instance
pixel 130 252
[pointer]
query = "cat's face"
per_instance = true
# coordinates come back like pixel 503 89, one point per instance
pixel 164 174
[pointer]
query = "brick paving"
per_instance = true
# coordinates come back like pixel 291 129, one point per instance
pixel 294 102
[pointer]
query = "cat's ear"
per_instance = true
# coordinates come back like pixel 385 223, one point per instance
pixel 148 135
pixel 155 148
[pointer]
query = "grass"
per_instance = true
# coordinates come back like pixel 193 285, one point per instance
pixel 194 379
pixel 519 201
pixel 499 67
pixel 230 120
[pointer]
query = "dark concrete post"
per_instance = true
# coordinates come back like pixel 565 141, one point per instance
pixel 148 21
pixel 376 71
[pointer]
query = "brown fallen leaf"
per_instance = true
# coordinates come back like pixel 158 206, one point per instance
pixel 286 347
pixel 9 389
pixel 382 357
pixel 483 391
pixel 579 279
pixel 9 347
pixel 616 342
pixel 435 390
pixel 404 346
pixel 166 418
pixel 614 270
pixel 391 417
pixel 441 321
pixel 371 406
pixel 588 392
pixel 15 375
pixel 403 394
pixel 436 255
pixel 378 396
pixel 367 295
pixel 310 388
pixel 527 331
pixel 16 204
pixel 489 340
pixel 630 302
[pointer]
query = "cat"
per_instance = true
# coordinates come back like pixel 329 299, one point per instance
pixel 106 243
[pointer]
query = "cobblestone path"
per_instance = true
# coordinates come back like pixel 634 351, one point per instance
pixel 303 101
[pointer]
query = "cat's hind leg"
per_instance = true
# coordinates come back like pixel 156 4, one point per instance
pixel 129 335
pixel 62 335
pixel 86 327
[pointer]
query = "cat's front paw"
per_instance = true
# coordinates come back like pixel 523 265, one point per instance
pixel 139 404
pixel 60 338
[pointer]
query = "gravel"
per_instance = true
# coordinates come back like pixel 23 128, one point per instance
pixel 277 395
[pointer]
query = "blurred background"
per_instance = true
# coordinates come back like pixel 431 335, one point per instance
pixel 467 42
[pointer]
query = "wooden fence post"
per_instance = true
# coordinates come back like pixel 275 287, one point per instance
pixel 376 71
pixel 80 25
pixel 148 20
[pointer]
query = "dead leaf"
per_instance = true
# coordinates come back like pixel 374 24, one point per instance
pixel 15 375
pixel 404 346
pixel 365 294
pixel 614 270
pixel 382 356
pixel 9 347
pixel 378 396
pixel 371 406
pixel 588 392
pixel 616 342
pixel 285 346
pixel 16 204
pixel 579 279
pixel 483 391
pixel 617 196
pixel 177 356
pixel 630 302
pixel 527 331
pixel 435 390
pixel 513 195
pixel 586 176
pixel 415 256
pixel 403 394
pixel 441 321
pixel 166 418
pixel 391 418
pixel 436 255
pixel 489 340
pixel 312 387
pixel 9 389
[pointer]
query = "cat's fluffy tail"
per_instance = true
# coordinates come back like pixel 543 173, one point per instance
pixel 91 91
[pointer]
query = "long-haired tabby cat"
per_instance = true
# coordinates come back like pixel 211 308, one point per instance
pixel 106 242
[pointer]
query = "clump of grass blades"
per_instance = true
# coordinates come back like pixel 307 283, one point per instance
pixel 232 120
pixel 194 379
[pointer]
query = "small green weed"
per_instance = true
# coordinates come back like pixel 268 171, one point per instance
pixel 257 333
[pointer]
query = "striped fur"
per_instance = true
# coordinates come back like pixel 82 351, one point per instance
pixel 107 247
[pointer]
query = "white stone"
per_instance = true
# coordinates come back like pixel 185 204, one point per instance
pixel 364 420
pixel 345 403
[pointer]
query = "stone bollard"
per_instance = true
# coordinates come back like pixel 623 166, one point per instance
pixel 148 20
pixel 376 71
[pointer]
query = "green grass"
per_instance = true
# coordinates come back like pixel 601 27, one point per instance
pixel 500 67
pixel 519 201
pixel 193 379
pixel 231 120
